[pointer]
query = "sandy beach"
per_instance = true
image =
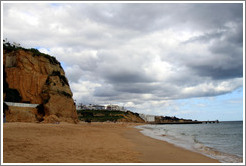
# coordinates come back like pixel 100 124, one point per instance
pixel 88 143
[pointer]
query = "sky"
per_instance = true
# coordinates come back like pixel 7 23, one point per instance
pixel 170 59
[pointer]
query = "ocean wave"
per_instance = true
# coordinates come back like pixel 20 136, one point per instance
pixel 189 142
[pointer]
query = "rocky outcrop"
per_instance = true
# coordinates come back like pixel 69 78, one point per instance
pixel 131 117
pixel 39 79
pixel 21 114
pixel 109 115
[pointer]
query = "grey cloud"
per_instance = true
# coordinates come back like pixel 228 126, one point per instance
pixel 113 47
pixel 205 16
pixel 116 67
pixel 225 58
pixel 219 72
pixel 126 77
pixel 237 35
pixel 148 17
pixel 73 73
pixel 226 33
pixel 106 91
pixel 132 16
pixel 205 37
pixel 142 88
pixel 225 62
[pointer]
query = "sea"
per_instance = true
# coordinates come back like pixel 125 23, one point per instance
pixel 222 141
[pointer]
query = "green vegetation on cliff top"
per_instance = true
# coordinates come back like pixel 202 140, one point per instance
pixel 102 115
pixel 8 47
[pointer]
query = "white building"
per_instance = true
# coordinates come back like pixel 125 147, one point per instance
pixel 147 118
pixel 113 107
pixel 99 107
pixel 80 106
pixel 150 118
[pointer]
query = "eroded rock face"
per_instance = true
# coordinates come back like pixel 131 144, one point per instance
pixel 40 79
pixel 131 117
pixel 59 106
pixel 21 114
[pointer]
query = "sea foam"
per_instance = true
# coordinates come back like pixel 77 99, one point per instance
pixel 216 141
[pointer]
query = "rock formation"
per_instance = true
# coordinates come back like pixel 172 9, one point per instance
pixel 21 114
pixel 131 117
pixel 109 115
pixel 37 78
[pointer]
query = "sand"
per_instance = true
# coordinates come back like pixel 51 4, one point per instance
pixel 88 143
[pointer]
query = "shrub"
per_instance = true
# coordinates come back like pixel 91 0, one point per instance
pixel 87 114
pixel 63 79
pixel 88 120
pixel 52 60
pixel 65 94
pixel 9 47
pixel 105 115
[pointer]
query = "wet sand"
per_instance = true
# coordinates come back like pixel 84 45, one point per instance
pixel 156 151
pixel 88 143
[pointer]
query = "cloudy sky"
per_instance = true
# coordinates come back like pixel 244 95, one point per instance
pixel 181 59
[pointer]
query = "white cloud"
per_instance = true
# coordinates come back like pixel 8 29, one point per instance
pixel 138 55
pixel 83 90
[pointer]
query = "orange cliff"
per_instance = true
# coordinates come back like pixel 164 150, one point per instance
pixel 39 79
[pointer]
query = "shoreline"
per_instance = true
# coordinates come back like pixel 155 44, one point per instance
pixel 160 151
pixel 97 142
pixel 185 138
